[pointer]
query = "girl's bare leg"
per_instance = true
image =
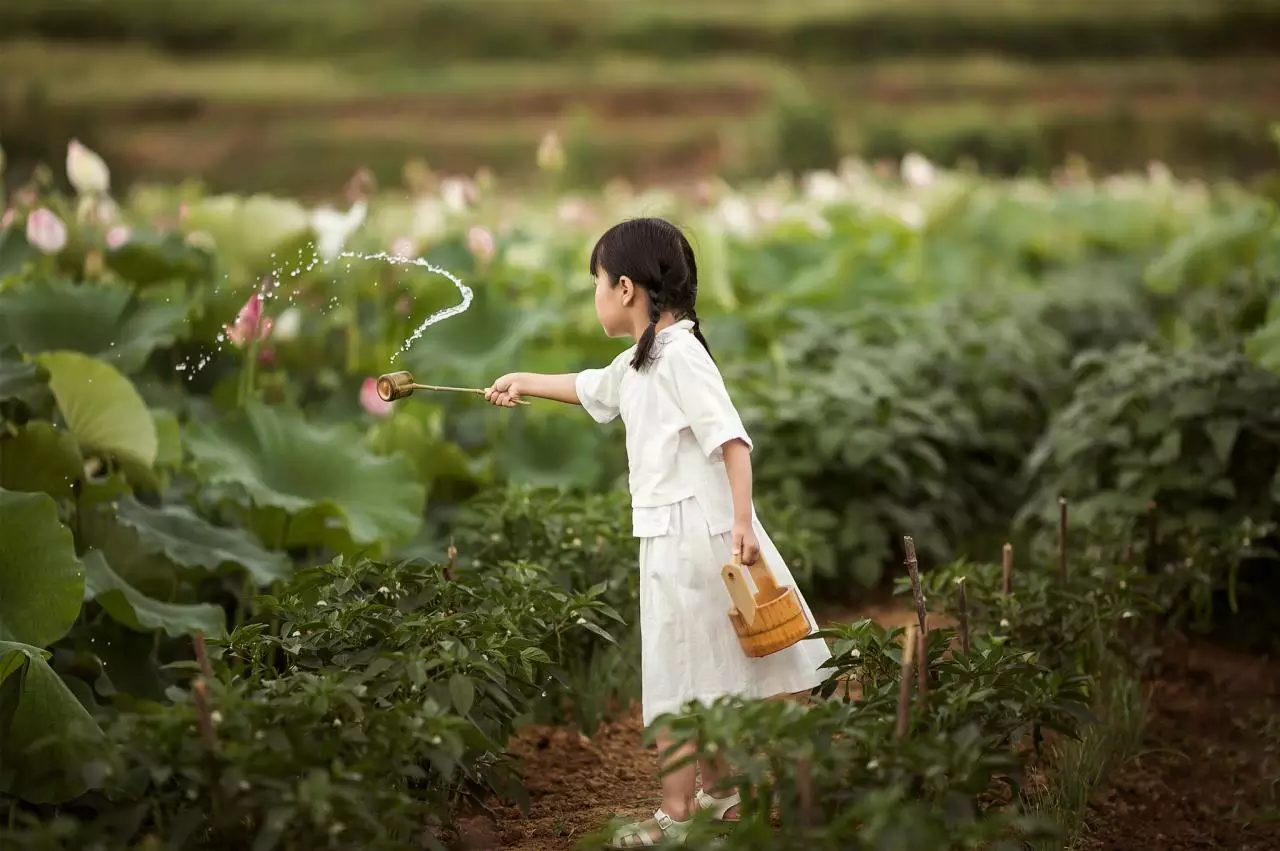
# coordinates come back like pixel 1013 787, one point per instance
pixel 714 776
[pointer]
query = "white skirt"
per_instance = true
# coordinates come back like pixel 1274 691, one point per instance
pixel 689 650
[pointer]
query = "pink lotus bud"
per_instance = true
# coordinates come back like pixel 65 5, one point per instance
pixel 86 170
pixel 249 322
pixel 371 401
pixel 117 237
pixel 481 244
pixel 403 247
pixel 46 231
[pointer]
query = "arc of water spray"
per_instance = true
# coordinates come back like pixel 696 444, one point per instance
pixel 439 315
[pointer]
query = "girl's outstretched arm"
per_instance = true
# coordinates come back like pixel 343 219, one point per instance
pixel 508 389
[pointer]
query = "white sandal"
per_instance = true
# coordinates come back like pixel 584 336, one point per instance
pixel 718 806
pixel 637 835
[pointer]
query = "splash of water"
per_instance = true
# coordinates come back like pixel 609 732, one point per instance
pixel 440 315
pixel 269 290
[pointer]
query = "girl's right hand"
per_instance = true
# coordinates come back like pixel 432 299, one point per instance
pixel 505 392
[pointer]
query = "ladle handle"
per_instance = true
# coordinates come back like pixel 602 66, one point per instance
pixel 476 390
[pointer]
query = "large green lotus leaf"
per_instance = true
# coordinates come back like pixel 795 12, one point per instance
pixel 15 251
pixel 139 612
pixel 550 449
pixel 150 257
pixel 49 735
pixel 39 456
pixel 189 540
pixel 41 581
pixel 280 460
pixel 22 380
pixel 105 320
pixel 101 407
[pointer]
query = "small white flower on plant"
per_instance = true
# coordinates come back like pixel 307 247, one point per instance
pixel 1004 623
pixel 371 401
pixel 856 653
pixel 917 171
pixel 117 237
pixel 86 170
pixel 46 231
pixel 551 155
pixel 480 243
pixel 288 324
pixel 250 323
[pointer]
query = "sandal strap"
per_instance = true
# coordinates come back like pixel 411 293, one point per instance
pixel 718 806
pixel 635 835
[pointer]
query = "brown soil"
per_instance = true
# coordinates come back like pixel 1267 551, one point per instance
pixel 1208 777
pixel 1209 774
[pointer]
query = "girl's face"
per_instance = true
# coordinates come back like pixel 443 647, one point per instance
pixel 614 303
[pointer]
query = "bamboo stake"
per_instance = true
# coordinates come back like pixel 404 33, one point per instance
pixel 922 665
pixel 202 654
pixel 200 691
pixel 1062 536
pixel 904 687
pixel 963 607
pixel 1007 557
pixel 453 555
pixel 804 791
pixel 913 570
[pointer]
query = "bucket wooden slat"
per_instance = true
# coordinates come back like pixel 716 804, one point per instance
pixel 780 620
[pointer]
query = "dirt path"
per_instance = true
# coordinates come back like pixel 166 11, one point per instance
pixel 1209 774
pixel 1208 778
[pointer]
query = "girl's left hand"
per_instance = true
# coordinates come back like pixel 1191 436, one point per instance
pixel 745 545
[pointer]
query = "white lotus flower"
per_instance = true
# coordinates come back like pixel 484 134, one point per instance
pixel 46 231
pixel 86 170
pixel 333 229
pixel 117 237
pixel 917 171
pixel 824 187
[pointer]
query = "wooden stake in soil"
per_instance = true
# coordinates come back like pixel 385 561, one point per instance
pixel 1007 561
pixel 804 791
pixel 913 570
pixel 453 555
pixel 904 687
pixel 962 606
pixel 200 691
pixel 1062 536
pixel 922 665
pixel 202 654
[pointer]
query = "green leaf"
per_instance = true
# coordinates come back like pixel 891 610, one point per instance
pixel 41 581
pixel 315 472
pixel 101 407
pixel 141 613
pixel 40 457
pixel 22 380
pixel 191 541
pixel 105 320
pixel 15 251
pixel 462 692
pixel 150 257
pixel 50 735
pixel 168 438
pixel 1223 433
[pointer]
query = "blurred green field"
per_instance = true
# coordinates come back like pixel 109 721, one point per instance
pixel 293 98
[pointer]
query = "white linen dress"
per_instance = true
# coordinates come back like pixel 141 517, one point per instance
pixel 678 415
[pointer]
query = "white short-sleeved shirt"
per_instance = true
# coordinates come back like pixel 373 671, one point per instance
pixel 678 415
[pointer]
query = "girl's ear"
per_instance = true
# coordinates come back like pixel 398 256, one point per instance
pixel 627 289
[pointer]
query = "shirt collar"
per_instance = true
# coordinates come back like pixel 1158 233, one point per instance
pixel 681 325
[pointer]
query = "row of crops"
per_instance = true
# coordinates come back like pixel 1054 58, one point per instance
pixel 244 603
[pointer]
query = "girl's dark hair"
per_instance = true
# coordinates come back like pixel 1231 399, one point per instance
pixel 655 255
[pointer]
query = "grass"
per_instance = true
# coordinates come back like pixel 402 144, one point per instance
pixel 1078 768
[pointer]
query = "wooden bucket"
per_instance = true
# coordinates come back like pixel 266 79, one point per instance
pixel 769 620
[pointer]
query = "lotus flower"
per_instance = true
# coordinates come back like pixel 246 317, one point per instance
pixel 371 401
pixel 551 153
pixel 458 193
pixel 288 324
pixel 117 237
pixel 333 228
pixel 480 243
pixel 86 170
pixel 403 247
pixel 46 231
pixel 249 322
pixel 917 171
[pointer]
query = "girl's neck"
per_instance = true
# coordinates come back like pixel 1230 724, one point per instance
pixel 666 320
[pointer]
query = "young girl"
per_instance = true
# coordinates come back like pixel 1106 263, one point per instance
pixel 689 464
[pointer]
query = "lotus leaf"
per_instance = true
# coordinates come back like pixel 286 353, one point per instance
pixel 139 612
pixel 101 407
pixel 41 580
